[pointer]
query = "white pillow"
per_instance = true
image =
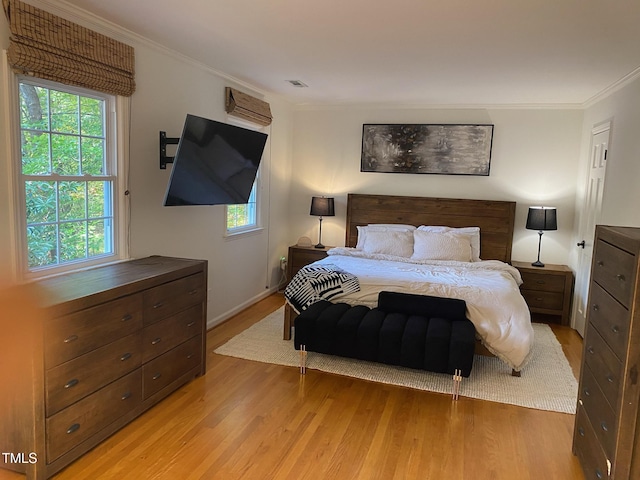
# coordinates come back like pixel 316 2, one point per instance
pixel 441 246
pixel 379 227
pixel 389 242
pixel 472 232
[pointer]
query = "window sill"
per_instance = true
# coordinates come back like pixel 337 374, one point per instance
pixel 243 233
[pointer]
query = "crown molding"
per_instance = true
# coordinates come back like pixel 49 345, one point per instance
pixel 623 82
pixel 90 20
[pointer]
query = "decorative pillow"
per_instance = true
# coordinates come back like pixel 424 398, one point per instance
pixel 441 246
pixel 389 242
pixel 379 227
pixel 472 232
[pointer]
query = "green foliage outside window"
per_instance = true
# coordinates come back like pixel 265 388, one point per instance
pixel 67 190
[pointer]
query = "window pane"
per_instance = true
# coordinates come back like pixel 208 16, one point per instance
pixel 91 116
pixel 65 153
pixel 97 238
pixel 97 196
pixel 64 112
pixel 43 245
pixel 34 107
pixel 72 200
pixel 41 202
pixel 93 156
pixel 35 153
pixel 73 241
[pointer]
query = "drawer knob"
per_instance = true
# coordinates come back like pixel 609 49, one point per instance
pixel 156 376
pixel 600 263
pixel 610 378
pixel 125 395
pixel 596 307
pixel 71 338
pixel 540 282
pixel 615 329
pixel 127 317
pixel 73 428
pixel 598 474
pixel 539 299
pixel 193 292
pixel 590 350
pixel 587 393
pixel 190 356
pixel 156 341
pixel 71 383
pixel 620 277
pixel 158 305
pixel 191 324
pixel 581 431
pixel 124 357
pixel 604 427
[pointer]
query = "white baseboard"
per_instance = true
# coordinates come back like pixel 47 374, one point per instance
pixel 212 322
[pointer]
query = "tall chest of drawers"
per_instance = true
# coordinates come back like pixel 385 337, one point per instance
pixel 115 341
pixel 607 426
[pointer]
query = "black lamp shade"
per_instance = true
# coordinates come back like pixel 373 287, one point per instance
pixel 322 207
pixel 542 218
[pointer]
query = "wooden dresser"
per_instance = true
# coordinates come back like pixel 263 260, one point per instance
pixel 115 341
pixel 607 428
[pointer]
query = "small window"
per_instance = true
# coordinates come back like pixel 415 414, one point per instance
pixel 67 176
pixel 244 217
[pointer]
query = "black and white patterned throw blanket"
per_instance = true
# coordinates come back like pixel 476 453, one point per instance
pixel 319 282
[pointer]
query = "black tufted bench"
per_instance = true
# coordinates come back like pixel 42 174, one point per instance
pixel 415 331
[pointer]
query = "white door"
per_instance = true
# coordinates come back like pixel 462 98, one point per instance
pixel 590 216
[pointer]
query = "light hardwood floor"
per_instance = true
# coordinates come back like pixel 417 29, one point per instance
pixel 249 420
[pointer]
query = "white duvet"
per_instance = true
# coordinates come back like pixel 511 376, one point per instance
pixel 489 288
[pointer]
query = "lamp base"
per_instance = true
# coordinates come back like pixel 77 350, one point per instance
pixel 537 263
pixel 319 246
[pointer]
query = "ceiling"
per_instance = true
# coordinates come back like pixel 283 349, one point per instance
pixel 413 52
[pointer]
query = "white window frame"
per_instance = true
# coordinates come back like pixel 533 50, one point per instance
pixel 257 188
pixel 116 151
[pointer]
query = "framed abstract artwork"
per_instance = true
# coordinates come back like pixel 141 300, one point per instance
pixel 427 148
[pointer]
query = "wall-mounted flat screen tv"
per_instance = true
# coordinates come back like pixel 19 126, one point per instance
pixel 215 163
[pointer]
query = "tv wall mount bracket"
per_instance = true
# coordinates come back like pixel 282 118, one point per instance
pixel 164 141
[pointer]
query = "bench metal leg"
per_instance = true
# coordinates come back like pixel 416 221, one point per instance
pixel 457 380
pixel 303 359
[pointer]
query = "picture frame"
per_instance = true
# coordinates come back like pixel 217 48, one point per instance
pixel 441 149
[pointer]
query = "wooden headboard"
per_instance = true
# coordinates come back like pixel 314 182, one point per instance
pixel 495 218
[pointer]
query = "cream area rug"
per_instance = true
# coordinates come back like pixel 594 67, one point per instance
pixel 547 382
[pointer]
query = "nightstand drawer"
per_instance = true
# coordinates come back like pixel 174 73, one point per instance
pixel 613 270
pixel 542 282
pixel 543 300
pixel 305 257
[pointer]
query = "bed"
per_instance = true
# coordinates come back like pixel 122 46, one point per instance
pixel 490 286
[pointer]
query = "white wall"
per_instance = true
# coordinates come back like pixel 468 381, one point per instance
pixel 169 86
pixel 621 200
pixel 534 161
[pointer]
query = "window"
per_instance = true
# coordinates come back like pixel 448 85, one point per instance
pixel 244 217
pixel 67 176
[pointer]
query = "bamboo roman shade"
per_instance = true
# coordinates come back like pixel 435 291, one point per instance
pixel 247 107
pixel 46 46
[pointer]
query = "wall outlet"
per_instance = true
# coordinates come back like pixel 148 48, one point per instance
pixel 283 263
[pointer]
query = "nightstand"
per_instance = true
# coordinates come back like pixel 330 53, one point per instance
pixel 298 258
pixel 547 289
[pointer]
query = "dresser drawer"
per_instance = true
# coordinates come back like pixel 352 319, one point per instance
pixel 610 319
pixel 87 417
pixel 545 300
pixel 604 365
pixel 600 413
pixel 162 336
pixel 588 450
pixel 173 297
pixel 160 372
pixel 83 375
pixel 80 332
pixel 613 270
pixel 543 282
